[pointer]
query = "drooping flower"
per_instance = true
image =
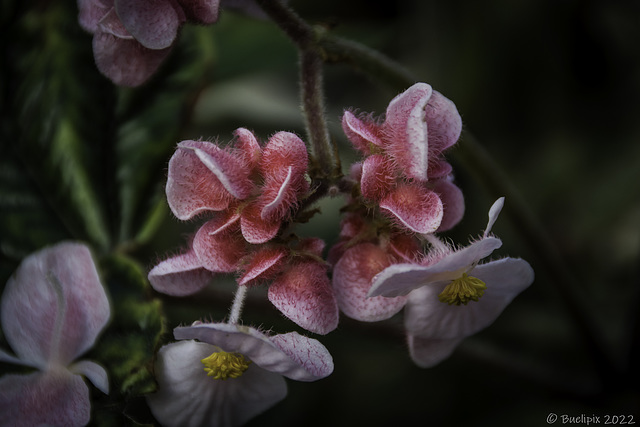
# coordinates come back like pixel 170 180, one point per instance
pixel 53 309
pixel 230 374
pixel 131 38
pixel 453 295
pixel 403 170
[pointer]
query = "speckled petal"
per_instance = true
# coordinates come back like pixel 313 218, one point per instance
pixel 180 275
pixel 414 208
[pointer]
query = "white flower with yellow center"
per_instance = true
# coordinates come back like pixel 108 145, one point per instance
pixel 455 296
pixel 230 374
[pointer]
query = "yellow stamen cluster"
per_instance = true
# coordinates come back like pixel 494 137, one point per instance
pixel 462 290
pixel 222 365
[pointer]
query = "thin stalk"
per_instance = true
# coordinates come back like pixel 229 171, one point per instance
pixel 238 303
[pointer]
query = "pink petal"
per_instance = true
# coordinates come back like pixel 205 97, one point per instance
pixel 427 317
pixel 452 203
pixel 312 245
pixel 229 169
pixel 352 279
pixel 263 265
pixel 415 208
pixel 307 352
pixel 218 245
pixel 201 11
pixel 362 132
pixel 56 398
pixel 110 23
pixel 191 187
pixel 180 275
pixel 378 178
pixel 284 150
pixel 428 352
pixel 186 396
pixel 406 131
pixel 153 23
pixel 91 12
pixel 438 168
pixel 125 61
pixel 54 306
pixel 279 198
pixel 255 229
pixel 400 279
pixel 443 121
pixel 248 145
pixel 263 351
pixel 304 295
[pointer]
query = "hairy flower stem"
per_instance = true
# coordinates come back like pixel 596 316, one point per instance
pixel 325 163
pixel 238 303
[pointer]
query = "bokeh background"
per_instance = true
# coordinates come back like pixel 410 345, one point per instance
pixel 549 89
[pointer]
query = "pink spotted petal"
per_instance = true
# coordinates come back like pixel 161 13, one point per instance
pixel 443 121
pixel 378 178
pixel 201 11
pixel 125 61
pixel 54 306
pixel 230 170
pixel 427 317
pixel 248 145
pixel 438 168
pixel 414 208
pixel 180 275
pixel 55 398
pixel 352 279
pixel 263 265
pixel 406 131
pixel 362 132
pixel 400 279
pixel 312 245
pixel 428 352
pixel 191 187
pixel 452 203
pixel 284 150
pixel 278 198
pixel 294 356
pixel 255 229
pixel 303 294
pixel 218 245
pixel 186 396
pixel 153 23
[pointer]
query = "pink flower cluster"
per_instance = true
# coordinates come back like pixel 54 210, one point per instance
pixel 131 38
pixel 251 192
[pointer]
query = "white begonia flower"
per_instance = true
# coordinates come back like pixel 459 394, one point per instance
pixel 231 374
pixel 455 296
pixel 53 309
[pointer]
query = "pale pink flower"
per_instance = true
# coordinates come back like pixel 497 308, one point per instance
pixel 131 38
pixel 403 170
pixel 452 295
pixel 230 374
pixel 53 309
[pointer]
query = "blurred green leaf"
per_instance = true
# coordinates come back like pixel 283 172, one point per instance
pixel 54 133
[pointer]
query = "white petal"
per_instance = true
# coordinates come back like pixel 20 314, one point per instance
pixel 93 372
pixel 428 352
pixel 427 317
pixel 400 279
pixel 494 211
pixel 54 306
pixel 187 397
pixel 260 349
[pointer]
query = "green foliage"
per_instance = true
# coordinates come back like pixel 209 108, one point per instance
pixel 128 345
